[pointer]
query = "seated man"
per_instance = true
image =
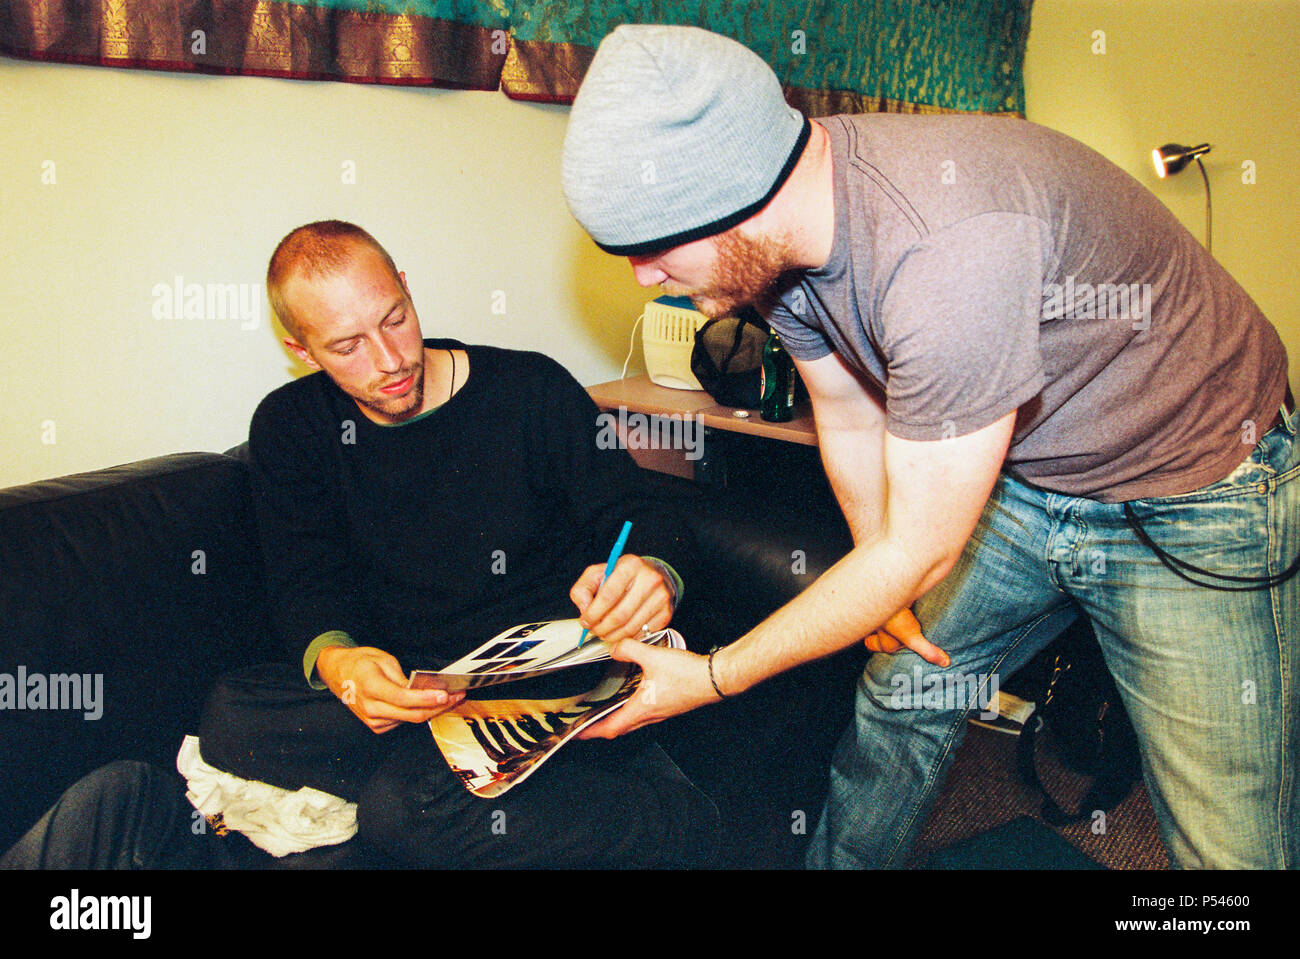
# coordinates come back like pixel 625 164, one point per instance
pixel 414 498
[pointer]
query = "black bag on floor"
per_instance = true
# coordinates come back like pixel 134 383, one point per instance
pixel 1077 701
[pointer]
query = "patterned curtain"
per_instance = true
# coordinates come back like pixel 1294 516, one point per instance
pixel 834 56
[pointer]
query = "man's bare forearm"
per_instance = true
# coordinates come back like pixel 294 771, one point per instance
pixel 851 599
pixel 913 550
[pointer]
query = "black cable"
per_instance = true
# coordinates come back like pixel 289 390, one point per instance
pixel 1172 563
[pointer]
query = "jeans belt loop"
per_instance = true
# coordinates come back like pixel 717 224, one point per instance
pixel 1287 409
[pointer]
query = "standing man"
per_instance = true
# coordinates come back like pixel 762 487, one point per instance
pixel 1036 397
pixel 415 497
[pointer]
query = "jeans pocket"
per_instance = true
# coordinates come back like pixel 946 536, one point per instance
pixel 1249 474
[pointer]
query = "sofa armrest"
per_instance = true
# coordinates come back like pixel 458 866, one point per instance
pixel 132 588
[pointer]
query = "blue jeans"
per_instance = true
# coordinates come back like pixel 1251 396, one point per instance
pixel 1208 677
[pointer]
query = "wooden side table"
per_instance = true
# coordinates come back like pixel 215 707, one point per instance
pixel 668 430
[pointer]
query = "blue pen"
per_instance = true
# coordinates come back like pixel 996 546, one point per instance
pixel 614 554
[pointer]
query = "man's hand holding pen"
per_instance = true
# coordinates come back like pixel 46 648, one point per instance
pixel 633 596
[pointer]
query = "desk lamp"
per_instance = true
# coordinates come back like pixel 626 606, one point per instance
pixel 1172 158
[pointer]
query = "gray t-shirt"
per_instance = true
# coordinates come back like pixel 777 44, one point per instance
pixel 985 264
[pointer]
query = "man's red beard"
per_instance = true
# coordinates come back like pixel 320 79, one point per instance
pixel 397 406
pixel 745 270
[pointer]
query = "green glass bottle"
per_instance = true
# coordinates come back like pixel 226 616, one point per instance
pixel 777 403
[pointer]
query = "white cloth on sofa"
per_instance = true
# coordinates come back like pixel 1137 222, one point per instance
pixel 277 820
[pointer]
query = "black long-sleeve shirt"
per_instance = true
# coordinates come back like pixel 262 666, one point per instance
pixel 427 537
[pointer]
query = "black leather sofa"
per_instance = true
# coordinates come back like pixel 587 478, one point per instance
pixel 149 575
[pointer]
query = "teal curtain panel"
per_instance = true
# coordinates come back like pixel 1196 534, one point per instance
pixel 833 56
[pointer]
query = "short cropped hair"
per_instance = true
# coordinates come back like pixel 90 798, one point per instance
pixel 322 248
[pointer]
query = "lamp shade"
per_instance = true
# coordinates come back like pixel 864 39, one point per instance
pixel 1172 157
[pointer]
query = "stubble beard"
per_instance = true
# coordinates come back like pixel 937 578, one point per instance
pixel 746 269
pixel 398 407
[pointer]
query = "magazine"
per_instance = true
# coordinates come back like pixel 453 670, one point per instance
pixel 495 744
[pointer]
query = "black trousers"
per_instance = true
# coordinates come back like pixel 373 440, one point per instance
pixel 594 804
pixel 126 815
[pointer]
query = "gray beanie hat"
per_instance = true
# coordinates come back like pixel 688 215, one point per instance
pixel 676 134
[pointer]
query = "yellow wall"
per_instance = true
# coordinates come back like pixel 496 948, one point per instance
pixel 1221 72
pixel 160 175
